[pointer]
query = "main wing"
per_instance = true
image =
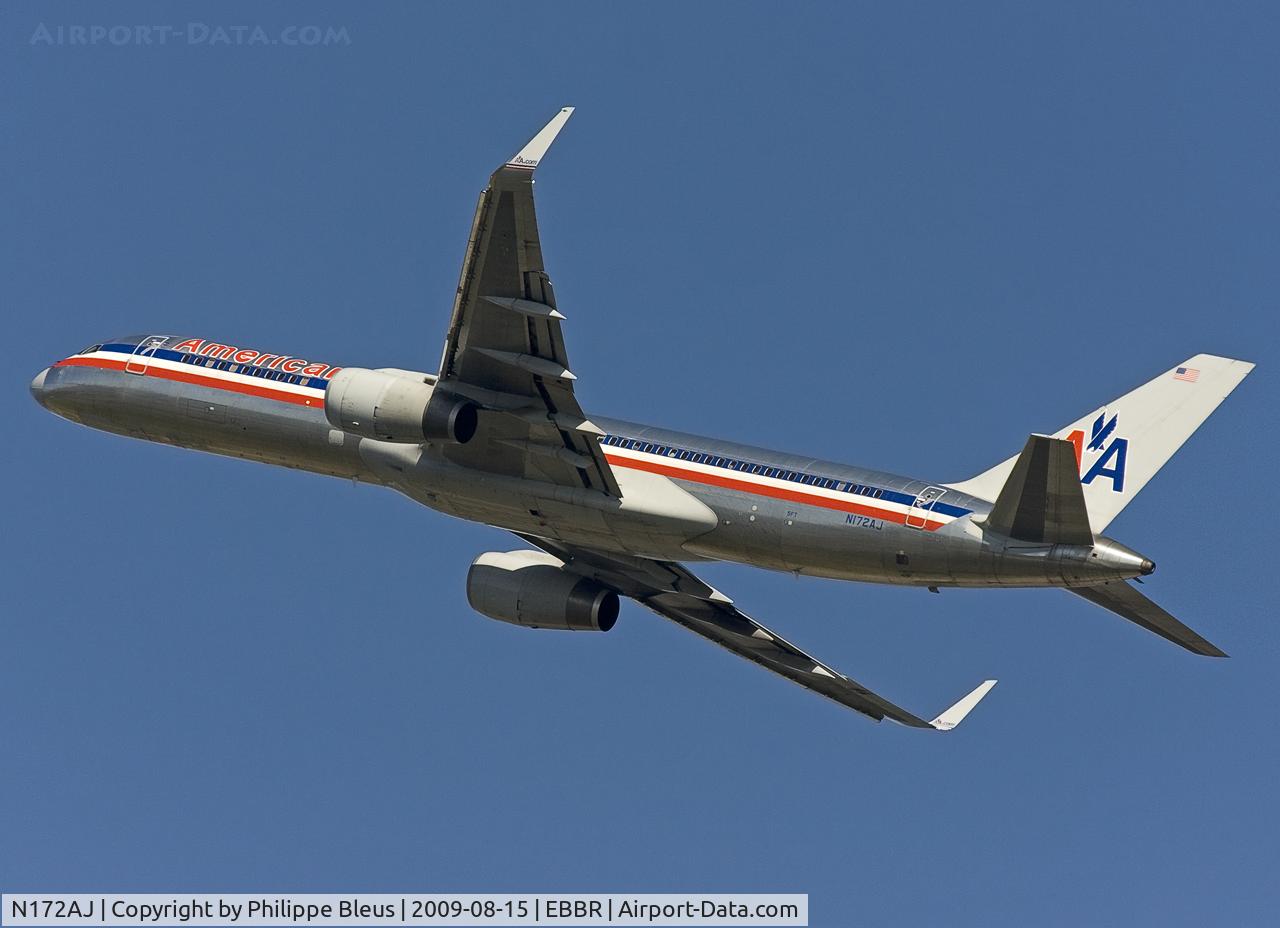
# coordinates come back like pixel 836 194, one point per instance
pixel 505 350
pixel 674 592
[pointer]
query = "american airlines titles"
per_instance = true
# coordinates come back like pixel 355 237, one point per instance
pixel 279 362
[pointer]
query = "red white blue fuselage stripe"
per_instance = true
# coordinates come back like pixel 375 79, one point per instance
pixel 307 390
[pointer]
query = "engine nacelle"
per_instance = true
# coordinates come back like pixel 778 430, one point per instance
pixel 396 406
pixel 533 589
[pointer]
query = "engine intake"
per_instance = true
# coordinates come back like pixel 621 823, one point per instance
pixel 397 406
pixel 532 589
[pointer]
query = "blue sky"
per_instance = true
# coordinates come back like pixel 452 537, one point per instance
pixel 896 235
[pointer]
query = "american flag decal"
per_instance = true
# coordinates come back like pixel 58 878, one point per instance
pixel 1189 374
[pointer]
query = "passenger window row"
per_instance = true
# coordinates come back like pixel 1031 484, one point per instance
pixel 747 467
pixel 264 372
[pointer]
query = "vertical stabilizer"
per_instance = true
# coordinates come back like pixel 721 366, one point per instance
pixel 1120 446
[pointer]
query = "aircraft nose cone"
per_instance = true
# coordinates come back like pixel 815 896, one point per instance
pixel 37 386
pixel 1147 566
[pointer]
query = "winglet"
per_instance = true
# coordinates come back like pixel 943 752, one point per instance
pixel 529 156
pixel 955 715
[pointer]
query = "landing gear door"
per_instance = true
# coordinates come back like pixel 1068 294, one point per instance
pixel 141 357
pixel 918 517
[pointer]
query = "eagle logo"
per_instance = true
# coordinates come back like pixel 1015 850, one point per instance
pixel 1105 455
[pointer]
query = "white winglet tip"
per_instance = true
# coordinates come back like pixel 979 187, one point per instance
pixel 529 156
pixel 955 715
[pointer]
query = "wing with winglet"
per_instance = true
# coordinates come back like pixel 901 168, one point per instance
pixel 504 350
pixel 674 592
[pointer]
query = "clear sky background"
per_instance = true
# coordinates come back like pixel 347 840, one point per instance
pixel 898 235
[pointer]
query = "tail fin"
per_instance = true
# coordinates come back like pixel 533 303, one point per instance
pixel 1120 446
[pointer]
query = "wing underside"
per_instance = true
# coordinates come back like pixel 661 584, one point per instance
pixel 505 349
pixel 675 593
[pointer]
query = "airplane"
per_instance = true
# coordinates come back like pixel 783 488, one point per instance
pixel 612 509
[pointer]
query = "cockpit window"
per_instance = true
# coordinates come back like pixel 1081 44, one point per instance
pixel 90 350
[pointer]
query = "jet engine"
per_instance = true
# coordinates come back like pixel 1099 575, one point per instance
pixel 533 589
pixel 399 406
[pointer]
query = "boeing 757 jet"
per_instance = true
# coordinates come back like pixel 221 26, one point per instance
pixel 611 509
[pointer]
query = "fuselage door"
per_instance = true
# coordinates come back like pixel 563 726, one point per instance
pixel 918 517
pixel 141 357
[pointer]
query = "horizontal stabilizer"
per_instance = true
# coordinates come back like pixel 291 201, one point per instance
pixel 1126 601
pixel 1042 500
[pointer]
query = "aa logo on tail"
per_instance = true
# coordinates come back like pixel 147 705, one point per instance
pixel 1107 455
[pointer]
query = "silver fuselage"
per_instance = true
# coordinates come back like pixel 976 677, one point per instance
pixel 685 497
